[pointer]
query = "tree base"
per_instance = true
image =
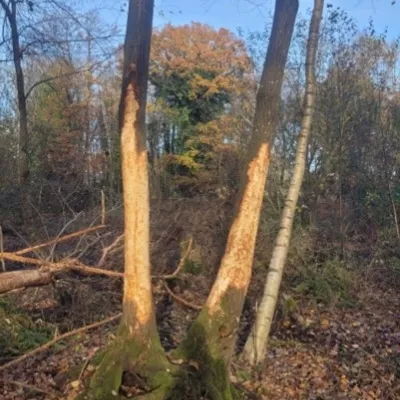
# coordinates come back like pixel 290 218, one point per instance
pixel 194 371
pixel 145 361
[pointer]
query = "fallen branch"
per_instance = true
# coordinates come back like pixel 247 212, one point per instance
pixel 17 279
pixel 60 239
pixel 31 388
pixel 56 340
pixel 180 265
pixel 75 265
pixel 24 260
pixel 180 300
pixel 26 278
pixel 42 276
pixel 103 208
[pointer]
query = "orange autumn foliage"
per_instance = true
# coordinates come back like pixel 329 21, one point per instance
pixel 213 60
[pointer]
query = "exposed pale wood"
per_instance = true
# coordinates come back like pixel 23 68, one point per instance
pixel 254 350
pixel 234 274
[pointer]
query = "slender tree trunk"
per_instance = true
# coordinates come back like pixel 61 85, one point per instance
pixel 395 217
pixel 137 346
pixel 10 10
pixel 211 338
pixel 254 350
pixel 167 138
pixel 88 175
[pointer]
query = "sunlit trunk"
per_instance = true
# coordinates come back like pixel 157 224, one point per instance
pixel 137 346
pixel 211 338
pixel 254 350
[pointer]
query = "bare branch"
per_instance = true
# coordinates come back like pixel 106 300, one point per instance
pixel 6 9
pixel 108 249
pixel 56 340
pixel 58 239
pixel 35 389
pixel 181 263
pixel 179 299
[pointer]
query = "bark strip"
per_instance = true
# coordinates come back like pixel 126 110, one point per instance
pixel 212 336
pixel 254 350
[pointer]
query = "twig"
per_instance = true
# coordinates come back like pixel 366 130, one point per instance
pixel 179 299
pixel 181 263
pixel 89 245
pixel 75 265
pixel 83 368
pixel 3 264
pixel 103 208
pixel 77 247
pixel 57 339
pixel 32 388
pixel 248 393
pixel 25 260
pixel 107 250
pixel 53 249
pixel 59 239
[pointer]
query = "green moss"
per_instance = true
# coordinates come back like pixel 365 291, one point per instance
pixel 201 368
pixel 329 283
pixel 193 267
pixel 127 354
pixel 19 333
pixel 107 379
pixel 207 374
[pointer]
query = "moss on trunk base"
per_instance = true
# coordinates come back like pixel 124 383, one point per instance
pixel 207 354
pixel 143 359
pixel 197 368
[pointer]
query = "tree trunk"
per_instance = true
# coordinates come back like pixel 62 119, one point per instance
pixel 205 356
pixel 23 165
pixel 20 279
pixel 212 336
pixel 254 350
pixel 137 346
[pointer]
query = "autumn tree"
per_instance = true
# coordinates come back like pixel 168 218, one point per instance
pixel 197 74
pixel 195 70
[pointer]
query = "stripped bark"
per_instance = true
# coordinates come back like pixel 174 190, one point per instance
pixel 214 331
pixel 137 304
pixel 254 350
pixel 137 347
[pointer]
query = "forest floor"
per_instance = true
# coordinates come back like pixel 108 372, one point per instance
pixel 316 351
pixel 341 354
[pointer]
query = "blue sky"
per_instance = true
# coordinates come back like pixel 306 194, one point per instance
pixel 251 14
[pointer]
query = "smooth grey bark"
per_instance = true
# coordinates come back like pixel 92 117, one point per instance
pixel 254 350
